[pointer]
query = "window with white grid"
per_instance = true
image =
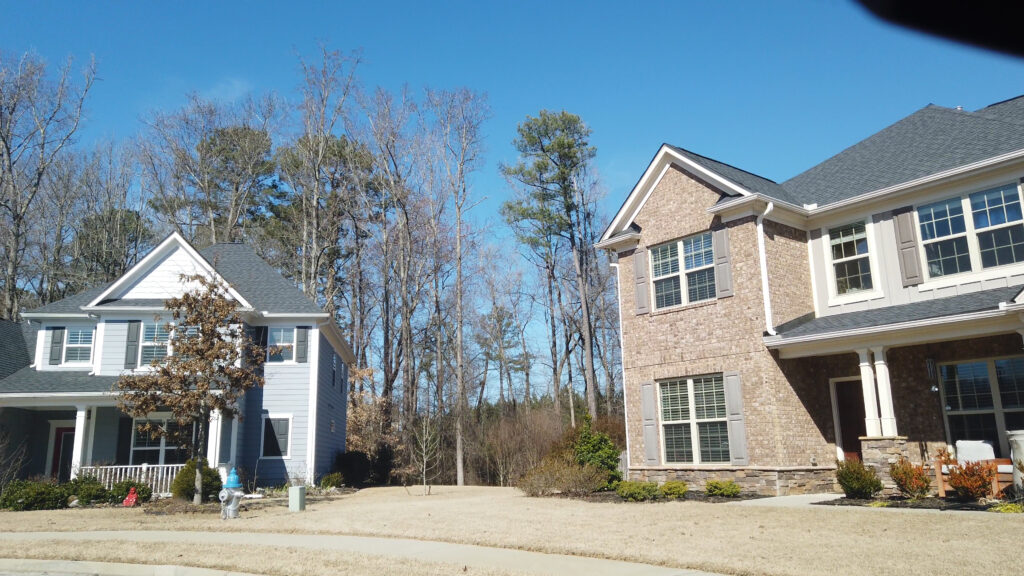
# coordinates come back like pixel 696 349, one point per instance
pixel 693 420
pixel 691 280
pixel 851 263
pixel 78 345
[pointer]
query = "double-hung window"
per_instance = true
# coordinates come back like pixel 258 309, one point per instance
pixel 78 345
pixel 695 278
pixel 992 236
pixel 983 400
pixel 152 448
pixel 944 235
pixel 693 420
pixel 850 260
pixel 153 346
pixel 997 220
pixel 280 344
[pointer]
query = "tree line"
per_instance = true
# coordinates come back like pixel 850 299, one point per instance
pixel 365 198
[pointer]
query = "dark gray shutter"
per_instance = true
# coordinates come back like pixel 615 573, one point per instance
pixel 643 291
pixel 302 344
pixel 906 246
pixel 723 272
pixel 652 440
pixel 124 441
pixel 56 345
pixel 734 412
pixel 131 346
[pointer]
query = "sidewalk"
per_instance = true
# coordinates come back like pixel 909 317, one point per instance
pixel 796 501
pixel 421 550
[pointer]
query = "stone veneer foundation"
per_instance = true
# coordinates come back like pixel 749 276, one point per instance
pixel 880 453
pixel 765 481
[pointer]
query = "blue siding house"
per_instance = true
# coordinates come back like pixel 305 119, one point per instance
pixel 58 371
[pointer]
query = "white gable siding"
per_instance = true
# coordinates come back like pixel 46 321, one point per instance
pixel 163 280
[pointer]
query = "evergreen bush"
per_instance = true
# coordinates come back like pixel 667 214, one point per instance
pixel 912 481
pixel 87 489
pixel 723 488
pixel 184 485
pixel 332 480
pixel 857 480
pixel 638 491
pixel 675 489
pixel 33 495
pixel 354 466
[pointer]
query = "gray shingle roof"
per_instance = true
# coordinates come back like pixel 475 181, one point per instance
pixel 14 354
pixel 257 281
pixel 742 178
pixel 889 315
pixel 931 140
pixel 132 302
pixel 1011 110
pixel 30 380
pixel 72 304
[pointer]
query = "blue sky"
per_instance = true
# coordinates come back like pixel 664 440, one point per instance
pixel 770 87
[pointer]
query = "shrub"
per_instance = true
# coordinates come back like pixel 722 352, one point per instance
pixel 1008 508
pixel 971 480
pixel 596 449
pixel 723 488
pixel 87 489
pixel 857 480
pixel 674 489
pixel 354 466
pixel 332 480
pixel 119 491
pixel 638 491
pixel 912 481
pixel 184 485
pixel 33 495
pixel 560 473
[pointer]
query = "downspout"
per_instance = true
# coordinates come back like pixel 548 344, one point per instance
pixel 763 258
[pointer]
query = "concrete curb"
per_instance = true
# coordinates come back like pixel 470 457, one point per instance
pixel 69 567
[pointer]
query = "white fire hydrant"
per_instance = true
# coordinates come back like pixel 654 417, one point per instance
pixel 231 496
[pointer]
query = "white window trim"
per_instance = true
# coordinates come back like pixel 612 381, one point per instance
pixel 977 272
pixel 834 297
pixel 164 416
pixel 295 337
pixel 997 409
pixel 291 434
pixel 92 347
pixel 683 287
pixel 693 422
pixel 143 343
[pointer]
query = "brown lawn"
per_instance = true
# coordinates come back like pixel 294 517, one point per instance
pixel 716 537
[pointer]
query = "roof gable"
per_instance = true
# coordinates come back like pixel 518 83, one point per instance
pixel 159 276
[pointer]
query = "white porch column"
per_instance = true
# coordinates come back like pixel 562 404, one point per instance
pixel 867 382
pixel 234 440
pixel 213 440
pixel 79 443
pixel 888 415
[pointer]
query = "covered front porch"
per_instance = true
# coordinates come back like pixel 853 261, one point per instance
pixel 90 437
pixel 908 381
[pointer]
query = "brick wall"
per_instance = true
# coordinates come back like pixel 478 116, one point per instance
pixel 724 334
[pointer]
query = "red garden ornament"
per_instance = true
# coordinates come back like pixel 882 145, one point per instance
pixel 132 498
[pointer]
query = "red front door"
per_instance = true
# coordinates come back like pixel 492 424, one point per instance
pixel 850 407
pixel 63 446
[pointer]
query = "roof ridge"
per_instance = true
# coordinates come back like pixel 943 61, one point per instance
pixel 1000 102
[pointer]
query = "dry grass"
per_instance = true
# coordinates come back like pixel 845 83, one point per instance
pixel 276 561
pixel 831 541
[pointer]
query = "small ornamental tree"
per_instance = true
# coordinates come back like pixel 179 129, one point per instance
pixel 211 363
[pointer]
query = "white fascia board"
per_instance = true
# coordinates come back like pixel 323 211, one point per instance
pixel 616 241
pixel 665 157
pixel 923 181
pixel 296 315
pixel 775 342
pixel 329 328
pixel 49 315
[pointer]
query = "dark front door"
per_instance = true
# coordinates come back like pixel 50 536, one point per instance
pixel 63 446
pixel 850 407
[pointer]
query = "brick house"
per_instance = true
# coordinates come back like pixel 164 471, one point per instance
pixel 869 307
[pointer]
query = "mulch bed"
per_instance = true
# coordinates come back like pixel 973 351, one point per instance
pixel 610 496
pixel 921 504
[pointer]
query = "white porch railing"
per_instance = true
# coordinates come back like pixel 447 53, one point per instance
pixel 157 476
